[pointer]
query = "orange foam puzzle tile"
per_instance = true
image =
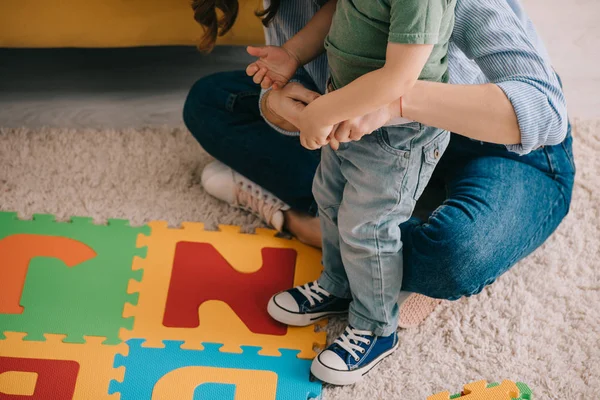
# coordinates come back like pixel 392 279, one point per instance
pixel 479 390
pixel 53 370
pixel 216 320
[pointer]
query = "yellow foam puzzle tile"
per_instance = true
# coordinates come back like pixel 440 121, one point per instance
pixel 94 360
pixel 219 323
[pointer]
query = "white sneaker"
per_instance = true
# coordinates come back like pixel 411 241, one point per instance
pixel 225 184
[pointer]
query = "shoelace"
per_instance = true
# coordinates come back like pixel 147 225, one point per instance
pixel 350 340
pixel 251 198
pixel 312 292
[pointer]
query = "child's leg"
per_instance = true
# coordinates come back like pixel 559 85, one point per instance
pixel 383 180
pixel 328 187
pixel 383 177
pixel 330 295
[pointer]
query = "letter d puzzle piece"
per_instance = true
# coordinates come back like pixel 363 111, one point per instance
pixel 172 373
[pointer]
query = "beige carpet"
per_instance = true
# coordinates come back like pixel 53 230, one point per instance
pixel 540 323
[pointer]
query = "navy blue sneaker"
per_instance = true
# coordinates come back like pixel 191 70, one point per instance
pixel 305 305
pixel 352 356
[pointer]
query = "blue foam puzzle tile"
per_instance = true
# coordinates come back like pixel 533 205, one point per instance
pixel 144 367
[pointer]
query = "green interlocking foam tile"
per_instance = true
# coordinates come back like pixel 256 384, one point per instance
pixel 66 278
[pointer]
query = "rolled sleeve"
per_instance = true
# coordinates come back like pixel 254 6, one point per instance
pixel 490 33
pixel 540 122
pixel 300 77
pixel 272 125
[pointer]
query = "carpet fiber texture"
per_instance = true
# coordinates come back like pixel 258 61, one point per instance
pixel 539 323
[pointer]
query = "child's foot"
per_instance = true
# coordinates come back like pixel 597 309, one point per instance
pixel 352 356
pixel 305 305
pixel 225 184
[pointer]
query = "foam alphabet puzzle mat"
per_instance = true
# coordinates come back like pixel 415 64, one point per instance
pixel 481 390
pixel 110 311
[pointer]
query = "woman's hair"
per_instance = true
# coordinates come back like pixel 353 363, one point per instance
pixel 205 13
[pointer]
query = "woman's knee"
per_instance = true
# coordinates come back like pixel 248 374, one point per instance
pixel 449 266
pixel 198 101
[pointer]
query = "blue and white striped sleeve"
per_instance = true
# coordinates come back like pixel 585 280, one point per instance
pixel 490 33
pixel 291 17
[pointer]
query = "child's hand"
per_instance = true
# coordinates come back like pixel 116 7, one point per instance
pixel 313 135
pixel 275 66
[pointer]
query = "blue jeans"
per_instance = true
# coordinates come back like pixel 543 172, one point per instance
pixel 496 207
pixel 364 191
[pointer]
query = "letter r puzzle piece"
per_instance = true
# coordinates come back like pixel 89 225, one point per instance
pixel 65 371
pixel 55 378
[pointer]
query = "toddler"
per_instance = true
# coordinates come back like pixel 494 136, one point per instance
pixel 377 50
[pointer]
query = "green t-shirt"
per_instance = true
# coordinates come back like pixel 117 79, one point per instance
pixel 361 30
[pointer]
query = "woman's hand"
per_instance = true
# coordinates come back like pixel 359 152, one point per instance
pixel 356 128
pixel 283 107
pixel 275 66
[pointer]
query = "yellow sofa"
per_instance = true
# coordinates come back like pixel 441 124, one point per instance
pixel 113 23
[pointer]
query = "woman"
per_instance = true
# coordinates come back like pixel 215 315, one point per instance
pixel 508 171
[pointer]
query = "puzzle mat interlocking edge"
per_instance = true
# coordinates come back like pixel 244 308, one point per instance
pixel 107 311
pixel 112 311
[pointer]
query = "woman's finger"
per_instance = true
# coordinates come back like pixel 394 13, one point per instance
pixel 257 51
pixel 321 141
pixel 300 93
pixel 305 143
pixel 258 77
pixel 314 144
pixel 252 69
pixel 266 83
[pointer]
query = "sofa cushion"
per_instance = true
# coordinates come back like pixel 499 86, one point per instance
pixel 113 23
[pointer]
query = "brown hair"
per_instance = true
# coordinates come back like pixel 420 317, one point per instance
pixel 205 13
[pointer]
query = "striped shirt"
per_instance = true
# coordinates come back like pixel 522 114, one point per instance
pixel 493 42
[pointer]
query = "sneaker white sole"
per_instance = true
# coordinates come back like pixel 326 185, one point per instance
pixel 297 319
pixel 341 378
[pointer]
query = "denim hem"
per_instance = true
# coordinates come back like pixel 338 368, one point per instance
pixel 358 322
pixel 328 284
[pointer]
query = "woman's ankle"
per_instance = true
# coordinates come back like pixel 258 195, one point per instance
pixel 304 227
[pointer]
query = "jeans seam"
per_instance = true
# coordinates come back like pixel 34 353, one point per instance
pixel 234 96
pixel 549 159
pixel 376 237
pixel 325 208
pixel 571 161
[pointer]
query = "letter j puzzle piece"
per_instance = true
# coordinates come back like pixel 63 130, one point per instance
pixel 66 278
